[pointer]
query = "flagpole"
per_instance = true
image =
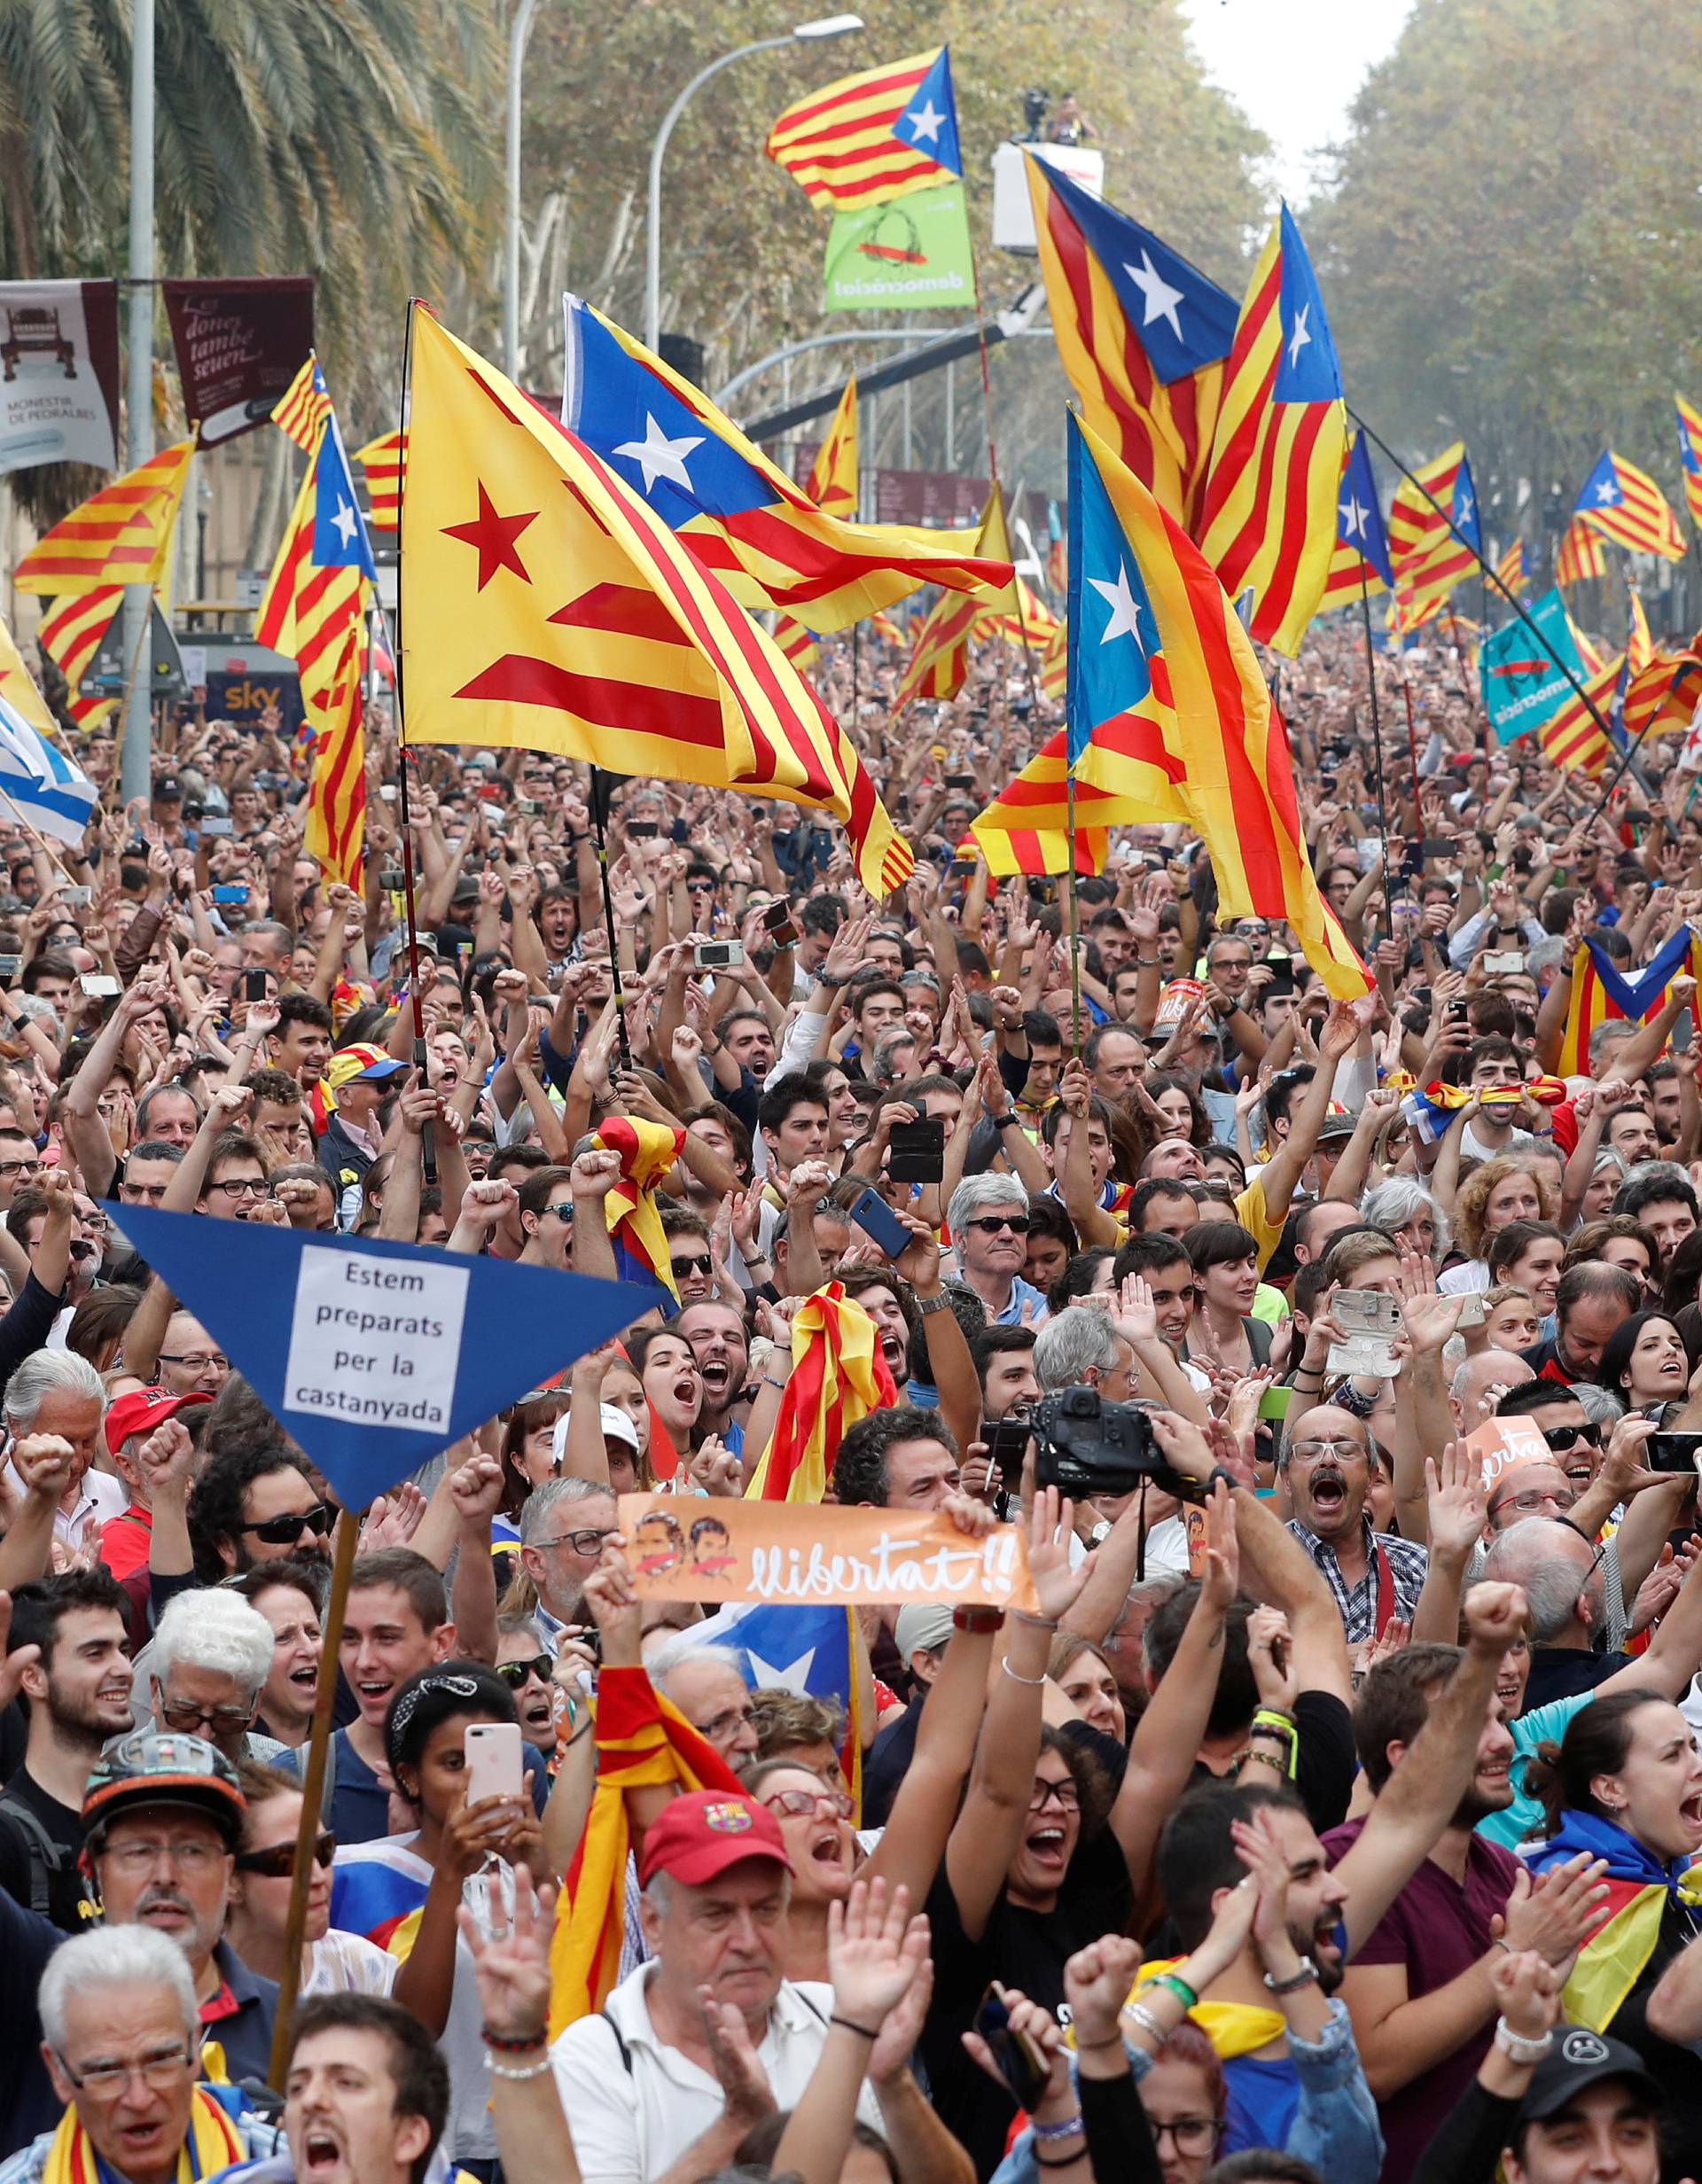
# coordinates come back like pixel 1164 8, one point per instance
pixel 1377 741
pixel 428 1147
pixel 602 788
pixel 1412 753
pixel 1075 921
pixel 313 1790
pixel 1490 574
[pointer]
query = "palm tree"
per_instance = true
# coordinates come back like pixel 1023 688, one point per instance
pixel 347 138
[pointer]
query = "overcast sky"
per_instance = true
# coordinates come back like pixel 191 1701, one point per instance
pixel 1292 66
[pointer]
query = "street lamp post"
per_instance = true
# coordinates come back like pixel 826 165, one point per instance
pixel 824 27
pixel 518 31
pixel 136 763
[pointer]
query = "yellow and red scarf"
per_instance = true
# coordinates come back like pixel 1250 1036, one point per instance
pixel 212 2143
pixel 647 1151
pixel 838 1376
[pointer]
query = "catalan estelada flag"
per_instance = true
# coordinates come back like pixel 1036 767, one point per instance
pixel 1624 503
pixel 642 1743
pixel 1026 827
pixel 121 536
pixel 1689 455
pixel 302 407
pixel 1628 1929
pixel 383 460
pixel 552 609
pixel 1361 564
pixel 875 134
pixel 839 1376
pixel 1226 751
pixel 832 480
pixel 1602 993
pixel 1143 336
pixel 938 662
pixel 1579 555
pixel 1510 568
pixel 1661 696
pixel 742 517
pixel 647 1151
pixel 1430 557
pixel 1268 523
pixel 335 834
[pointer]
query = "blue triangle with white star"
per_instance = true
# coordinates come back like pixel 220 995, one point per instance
pixel 1464 510
pixel 1359 520
pixel 1308 368
pixel 1113 633
pixel 1602 488
pixel 929 123
pixel 340 540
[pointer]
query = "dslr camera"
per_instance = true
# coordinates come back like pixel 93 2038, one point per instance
pixel 1084 1445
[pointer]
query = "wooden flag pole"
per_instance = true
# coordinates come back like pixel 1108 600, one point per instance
pixel 1377 743
pixel 601 784
pixel 313 1790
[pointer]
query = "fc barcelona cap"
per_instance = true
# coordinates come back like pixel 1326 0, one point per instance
pixel 701 1835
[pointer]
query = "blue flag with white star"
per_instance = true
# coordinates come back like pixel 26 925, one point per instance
pixel 1464 510
pixel 1602 488
pixel 340 540
pixel 1112 632
pixel 1308 368
pixel 1359 520
pixel 929 123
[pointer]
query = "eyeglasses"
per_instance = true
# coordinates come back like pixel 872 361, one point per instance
pixel 697 1264
pixel 277 1863
pixel 1064 1795
pixel 241 1186
pixel 1340 1450
pixel 141 1194
pixel 159 2071
pixel 1191 2134
pixel 20 1167
pixel 514 1673
pixel 563 1210
pixel 1560 1437
pixel 283 1531
pixel 589 1542
pixel 1534 1500
pixel 724 1724
pixel 197 1857
pixel 801 1804
pixel 188 1718
pixel 1000 1224
pixel 197 1361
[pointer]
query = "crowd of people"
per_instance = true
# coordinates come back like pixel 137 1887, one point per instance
pixel 1332 1814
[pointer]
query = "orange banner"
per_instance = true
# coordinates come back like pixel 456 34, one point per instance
pixel 797 1554
pixel 1502 1443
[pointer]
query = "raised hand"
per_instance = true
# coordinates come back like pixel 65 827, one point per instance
pixel 874 1951
pixel 1458 1505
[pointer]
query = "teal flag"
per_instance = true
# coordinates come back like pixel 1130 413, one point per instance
pixel 910 254
pixel 1522 682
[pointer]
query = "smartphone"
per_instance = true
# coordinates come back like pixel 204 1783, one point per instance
pixel 1504 962
pixel 1370 1322
pixel 1282 984
pixel 642 829
pixel 1672 1452
pixel 1454 1013
pixel 1275 1402
pixel 777 922
pixel 218 823
pixel 918 1152
pixel 1007 1444
pixel 390 878
pixel 1437 846
pixel 718 954
pixel 77 897
pixel 960 781
pixel 493 1751
pixel 877 1221
pixel 235 894
pixel 1471 1312
pixel 527 807
pixel 387 791
pixel 101 984
pixel 961 868
pixel 253 986
pixel 10 965
pixel 1021 2065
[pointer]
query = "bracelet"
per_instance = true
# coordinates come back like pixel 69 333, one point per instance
pixel 1296 1980
pixel 1039 1622
pixel 1312 1372
pixel 1058 2161
pixel 1273 1718
pixel 578 1736
pixel 1003 1122
pixel 1269 1758
pixel 766 1383
pixel 1179 1987
pixel 1034 1683
pixel 850 2025
pixel 978 1618
pixel 541 2069
pixel 1046 2133
pixel 927 1307
pixel 1146 963
pixel 1517 2047
pixel 513 2047
pixel 1147 2022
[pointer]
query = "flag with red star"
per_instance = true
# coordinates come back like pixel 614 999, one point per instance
pixel 546 606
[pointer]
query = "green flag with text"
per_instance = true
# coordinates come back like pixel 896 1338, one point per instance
pixel 910 254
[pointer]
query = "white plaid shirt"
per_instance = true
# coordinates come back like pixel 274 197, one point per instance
pixel 1358 1604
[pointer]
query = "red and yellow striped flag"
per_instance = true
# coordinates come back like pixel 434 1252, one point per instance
pixel 553 610
pixel 18 687
pixel 1510 568
pixel 1624 503
pixel 938 661
pixel 1571 737
pixel 1429 559
pixel 383 460
pixel 840 143
pixel 1268 523
pixel 839 1376
pixel 1690 456
pixel 1579 555
pixel 647 1151
pixel 802 647
pixel 336 828
pixel 1031 623
pixel 119 535
pixel 832 480
pixel 1227 749
pixel 302 407
pixel 1054 663
pixel 1125 778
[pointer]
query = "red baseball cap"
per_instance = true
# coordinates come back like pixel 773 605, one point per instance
pixel 702 1834
pixel 142 1409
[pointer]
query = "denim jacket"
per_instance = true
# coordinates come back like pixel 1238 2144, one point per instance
pixel 1335 2127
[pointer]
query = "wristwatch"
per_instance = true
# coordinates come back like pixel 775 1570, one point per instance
pixel 1303 1977
pixel 927 1307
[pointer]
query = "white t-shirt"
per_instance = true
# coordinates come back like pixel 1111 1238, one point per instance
pixel 633 2118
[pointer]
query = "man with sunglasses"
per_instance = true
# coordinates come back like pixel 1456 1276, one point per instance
pixel 253 1505
pixel 989 1219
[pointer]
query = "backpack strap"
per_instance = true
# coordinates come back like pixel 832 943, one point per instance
pixel 42 1849
pixel 626 2052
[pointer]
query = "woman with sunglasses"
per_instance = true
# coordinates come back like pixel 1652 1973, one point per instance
pixel 332 1962
pixel 528 1671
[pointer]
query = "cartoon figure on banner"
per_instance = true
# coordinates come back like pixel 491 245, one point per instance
pixel 659 1544
pixel 712 1547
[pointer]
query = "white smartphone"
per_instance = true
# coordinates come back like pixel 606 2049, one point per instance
pixel 100 985
pixel 493 1750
